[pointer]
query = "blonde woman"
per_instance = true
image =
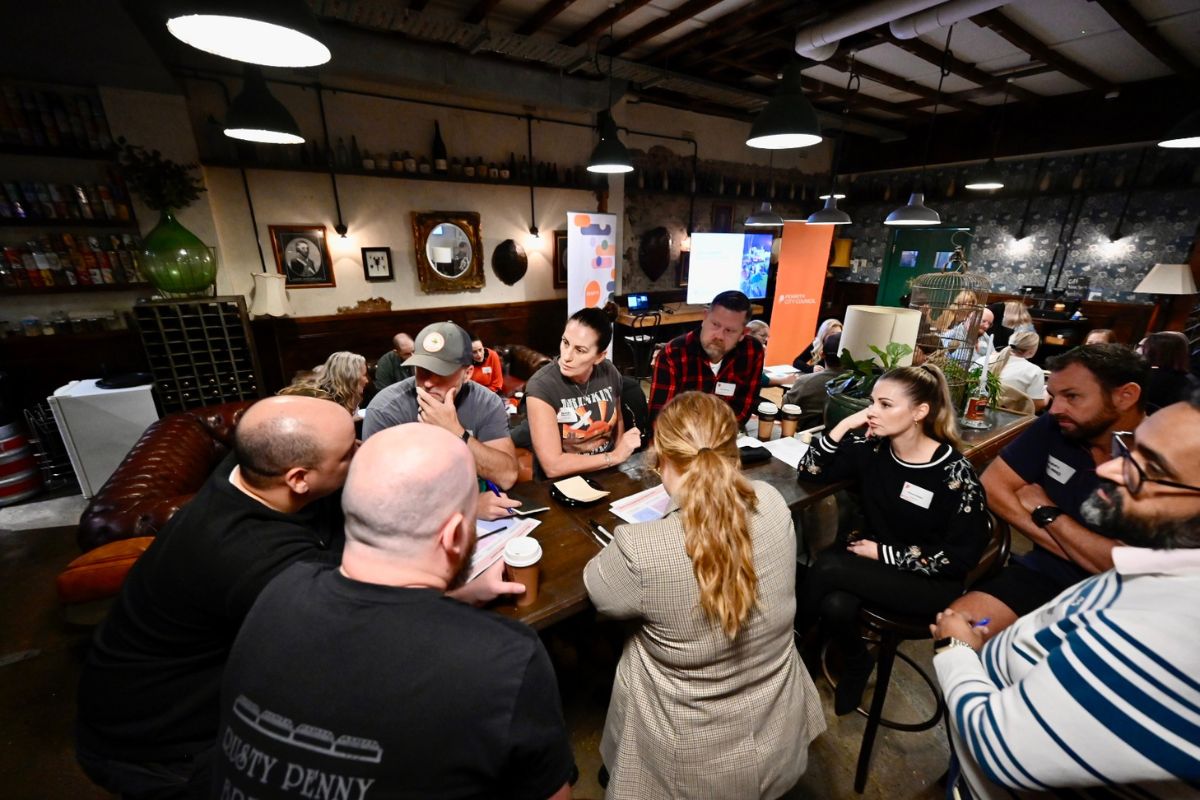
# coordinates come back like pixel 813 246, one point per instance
pixel 1016 318
pixel 710 697
pixel 924 509
pixel 342 379
pixel 1019 372
pixel 813 357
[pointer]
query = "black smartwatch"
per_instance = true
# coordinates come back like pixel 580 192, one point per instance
pixel 1044 515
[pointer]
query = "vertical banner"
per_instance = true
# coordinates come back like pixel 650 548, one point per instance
pixel 591 259
pixel 803 259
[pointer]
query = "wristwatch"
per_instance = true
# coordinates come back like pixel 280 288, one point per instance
pixel 466 436
pixel 948 643
pixel 1044 515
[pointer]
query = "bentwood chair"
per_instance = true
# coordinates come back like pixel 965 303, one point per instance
pixel 642 340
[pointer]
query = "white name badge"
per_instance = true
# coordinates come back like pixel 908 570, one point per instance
pixel 487 370
pixel 916 495
pixel 725 389
pixel 568 416
pixel 1058 470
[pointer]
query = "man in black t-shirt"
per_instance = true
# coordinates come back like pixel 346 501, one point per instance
pixel 368 681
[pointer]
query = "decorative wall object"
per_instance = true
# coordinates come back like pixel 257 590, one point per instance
pixel 509 262
pixel 377 263
pixel 449 250
pixel 302 256
pixel 654 252
pixel 560 259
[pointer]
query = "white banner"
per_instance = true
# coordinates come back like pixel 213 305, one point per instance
pixel 591 259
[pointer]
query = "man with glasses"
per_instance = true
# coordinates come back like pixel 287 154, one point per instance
pixel 1040 481
pixel 1097 688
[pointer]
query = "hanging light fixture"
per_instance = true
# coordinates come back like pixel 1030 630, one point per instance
pixel 610 155
pixel 837 196
pixel 989 178
pixel 789 120
pixel 831 214
pixel 1185 133
pixel 915 211
pixel 764 218
pixel 273 33
pixel 256 116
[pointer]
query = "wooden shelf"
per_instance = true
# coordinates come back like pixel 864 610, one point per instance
pixel 410 176
pixel 57 152
pixel 103 287
pixel 108 224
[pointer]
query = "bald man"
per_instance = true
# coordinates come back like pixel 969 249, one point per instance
pixel 404 692
pixel 390 367
pixel 148 694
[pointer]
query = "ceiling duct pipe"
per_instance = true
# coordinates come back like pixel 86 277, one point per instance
pixel 819 42
pixel 943 16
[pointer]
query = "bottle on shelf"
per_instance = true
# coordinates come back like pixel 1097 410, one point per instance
pixel 356 157
pixel 493 171
pixel 508 168
pixel 424 167
pixel 469 169
pixel 440 164
pixel 397 162
pixel 366 161
pixel 456 168
pixel 523 173
pixel 410 163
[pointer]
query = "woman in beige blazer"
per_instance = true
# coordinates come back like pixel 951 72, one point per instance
pixel 710 698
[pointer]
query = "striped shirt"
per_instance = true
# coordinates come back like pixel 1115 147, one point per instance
pixel 1097 690
pixel 683 366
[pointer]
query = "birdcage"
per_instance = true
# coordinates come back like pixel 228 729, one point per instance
pixel 951 303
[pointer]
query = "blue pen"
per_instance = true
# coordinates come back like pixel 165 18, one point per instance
pixel 496 491
pixel 982 622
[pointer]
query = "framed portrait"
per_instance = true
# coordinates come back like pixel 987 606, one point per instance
pixel 560 259
pixel 377 263
pixel 302 256
pixel 722 218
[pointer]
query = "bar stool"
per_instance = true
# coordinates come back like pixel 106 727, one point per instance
pixel 889 630
pixel 642 341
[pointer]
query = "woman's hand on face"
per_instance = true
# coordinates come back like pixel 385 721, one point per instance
pixel 852 422
pixel 864 548
pixel 630 441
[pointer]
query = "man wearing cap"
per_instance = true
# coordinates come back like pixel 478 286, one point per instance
pixel 442 393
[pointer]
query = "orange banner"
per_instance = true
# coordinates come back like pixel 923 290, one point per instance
pixel 803 258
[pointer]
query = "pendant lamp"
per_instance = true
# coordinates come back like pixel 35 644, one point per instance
pixel 1185 133
pixel 764 218
pixel 988 178
pixel 788 121
pixel 256 116
pixel 273 33
pixel 610 155
pixel 829 215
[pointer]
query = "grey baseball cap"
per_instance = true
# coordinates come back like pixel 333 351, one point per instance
pixel 441 348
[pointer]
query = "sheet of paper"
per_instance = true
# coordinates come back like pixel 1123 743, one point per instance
pixel 645 506
pixel 578 489
pixel 748 441
pixel 485 526
pixel 781 370
pixel 489 550
pixel 789 450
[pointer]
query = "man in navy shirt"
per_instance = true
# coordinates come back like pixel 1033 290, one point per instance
pixel 1039 482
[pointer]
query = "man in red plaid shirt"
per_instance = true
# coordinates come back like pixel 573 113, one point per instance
pixel 716 359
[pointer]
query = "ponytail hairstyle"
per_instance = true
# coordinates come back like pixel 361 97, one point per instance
pixel 696 434
pixel 927 384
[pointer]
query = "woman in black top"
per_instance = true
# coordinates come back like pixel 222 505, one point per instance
pixel 925 513
pixel 1170 381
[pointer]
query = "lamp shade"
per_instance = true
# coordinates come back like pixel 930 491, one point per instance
pixel 270 296
pixel 988 178
pixel 1168 279
pixel 256 116
pixel 830 214
pixel 789 120
pixel 915 213
pixel 609 156
pixel 1185 133
pixel 274 33
pixel 764 218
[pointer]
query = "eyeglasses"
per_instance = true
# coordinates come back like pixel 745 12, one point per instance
pixel 1132 471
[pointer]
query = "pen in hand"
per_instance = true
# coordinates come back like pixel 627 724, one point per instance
pixel 496 491
pixel 982 622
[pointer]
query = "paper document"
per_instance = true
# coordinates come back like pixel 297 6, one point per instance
pixel 486 526
pixel 579 490
pixel 488 550
pixel 748 441
pixel 644 506
pixel 789 450
pixel 781 370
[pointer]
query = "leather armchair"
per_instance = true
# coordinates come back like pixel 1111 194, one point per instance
pixel 520 362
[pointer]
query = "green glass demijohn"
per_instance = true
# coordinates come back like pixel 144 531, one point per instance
pixel 175 261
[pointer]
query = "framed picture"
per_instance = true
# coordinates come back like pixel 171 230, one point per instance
pixel 449 250
pixel 377 263
pixel 560 259
pixel 302 256
pixel 722 218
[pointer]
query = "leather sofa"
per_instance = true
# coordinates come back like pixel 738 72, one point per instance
pixel 520 362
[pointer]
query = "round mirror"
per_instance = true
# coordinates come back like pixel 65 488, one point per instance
pixel 449 250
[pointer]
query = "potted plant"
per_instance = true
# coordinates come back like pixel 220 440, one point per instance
pixel 850 390
pixel 174 259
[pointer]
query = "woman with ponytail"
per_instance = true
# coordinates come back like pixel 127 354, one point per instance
pixel 710 697
pixel 924 510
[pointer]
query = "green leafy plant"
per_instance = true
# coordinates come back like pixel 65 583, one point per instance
pixel 970 380
pixel 857 378
pixel 161 183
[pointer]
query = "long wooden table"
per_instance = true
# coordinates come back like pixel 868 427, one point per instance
pixel 567 545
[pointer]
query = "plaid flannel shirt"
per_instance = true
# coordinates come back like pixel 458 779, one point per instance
pixel 683 366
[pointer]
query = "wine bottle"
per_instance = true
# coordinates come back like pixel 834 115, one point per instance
pixel 356 156
pixel 341 155
pixel 423 166
pixel 440 164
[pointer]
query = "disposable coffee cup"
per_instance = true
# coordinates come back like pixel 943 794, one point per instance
pixel 767 412
pixel 522 563
pixel 789 418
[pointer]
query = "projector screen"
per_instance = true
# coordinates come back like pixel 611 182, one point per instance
pixel 723 261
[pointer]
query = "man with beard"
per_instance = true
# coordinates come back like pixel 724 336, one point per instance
pixel 366 680
pixel 1039 482
pixel 716 359
pixel 1097 689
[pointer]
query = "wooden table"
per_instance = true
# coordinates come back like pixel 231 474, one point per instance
pixel 567 545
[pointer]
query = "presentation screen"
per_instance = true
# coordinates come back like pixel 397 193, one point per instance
pixel 723 261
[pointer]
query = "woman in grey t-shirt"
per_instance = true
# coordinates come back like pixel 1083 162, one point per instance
pixel 574 402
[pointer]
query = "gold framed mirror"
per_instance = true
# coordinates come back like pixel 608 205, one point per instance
pixel 449 250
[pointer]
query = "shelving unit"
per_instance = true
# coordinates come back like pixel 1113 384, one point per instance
pixel 201 352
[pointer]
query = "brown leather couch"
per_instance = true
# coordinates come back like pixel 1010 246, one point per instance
pixel 163 471
pixel 520 362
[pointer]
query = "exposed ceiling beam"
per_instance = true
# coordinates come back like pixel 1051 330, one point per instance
pixel 841 62
pixel 479 13
pixel 647 32
pixel 717 28
pixel 1155 44
pixel 1024 40
pixel 543 15
pixel 933 55
pixel 603 21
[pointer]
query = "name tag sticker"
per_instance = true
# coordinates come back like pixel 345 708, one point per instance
pixel 725 389
pixel 487 370
pixel 916 495
pixel 568 416
pixel 1059 470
